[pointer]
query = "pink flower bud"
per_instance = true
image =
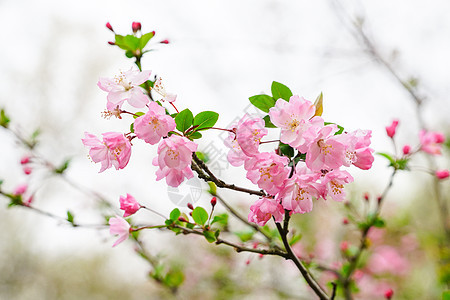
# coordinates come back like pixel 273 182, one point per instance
pixel 164 42
pixel 27 170
pixel 109 27
pixel 344 246
pixel 366 196
pixel 190 206
pixel 182 219
pixel 111 43
pixel 136 26
pixel 345 221
pixel 25 160
pixel 20 190
pixel 213 201
pixel 390 130
pixel 442 174
pixel 388 294
pixel 406 149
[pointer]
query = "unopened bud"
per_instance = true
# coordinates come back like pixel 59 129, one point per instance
pixel 164 42
pixel 182 219
pixel 136 26
pixel 379 199
pixel 109 27
pixel 390 130
pixel 25 160
pixel 406 149
pixel 261 256
pixel 213 201
pixel 366 196
pixel 388 294
pixel 190 206
pixel 345 221
pixel 247 262
pixel 442 174
pixel 111 43
pixel 27 170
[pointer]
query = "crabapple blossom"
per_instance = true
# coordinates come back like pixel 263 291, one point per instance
pixel 118 226
pixel 114 150
pixel 154 125
pixel 174 159
pixel 294 118
pixel 357 151
pixel 160 89
pixel 249 132
pixel 333 183
pixel 263 209
pixel 268 171
pixel 442 174
pixel 406 149
pixel 129 205
pixel 387 259
pixel 20 189
pixel 326 151
pixel 390 130
pixel 431 142
pixel 124 87
pixel 236 157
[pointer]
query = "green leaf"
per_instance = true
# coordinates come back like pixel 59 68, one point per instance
pixel 210 236
pixel 245 236
pixel 202 156
pixel 4 119
pixel 388 157
pixel 184 120
pixel 263 102
pixel 205 119
pixel 268 123
pixel 70 217
pixel 286 150
pixel 145 38
pixel 175 214
pixel 195 135
pixel 129 54
pixel 221 219
pixel 446 295
pixel 138 114
pixel 212 188
pixel 200 215
pixel 295 239
pixel 279 90
pixel 128 42
pixel 174 279
pixel 63 167
pixel 190 225
pixel 379 222
pixel 341 129
pixel 132 127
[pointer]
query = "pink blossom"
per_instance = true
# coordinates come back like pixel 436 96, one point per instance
pixel 293 118
pixel 431 142
pixel 154 125
pixel 299 190
pixel 124 87
pixel 406 149
pixel 20 189
pixel 326 151
pixel 357 151
pixel 387 259
pixel 268 171
pixel 118 226
pixel 114 150
pixel 390 130
pixel 174 160
pixel 160 89
pixel 333 183
pixel 129 205
pixel 442 174
pixel 263 209
pixel 249 132
pixel 236 157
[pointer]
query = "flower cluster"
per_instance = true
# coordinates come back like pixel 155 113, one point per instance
pixel 293 181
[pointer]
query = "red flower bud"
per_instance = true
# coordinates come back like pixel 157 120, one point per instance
pixel 109 27
pixel 442 174
pixel 190 206
pixel 390 130
pixel 25 160
pixel 164 42
pixel 182 219
pixel 214 201
pixel 366 196
pixel 406 149
pixel 27 170
pixel 111 43
pixel 345 221
pixel 136 26
pixel 388 294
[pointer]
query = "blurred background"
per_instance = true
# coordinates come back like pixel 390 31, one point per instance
pixel 220 53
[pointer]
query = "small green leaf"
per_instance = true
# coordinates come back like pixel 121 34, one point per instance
pixel 190 225
pixel 212 188
pixel 210 236
pixel 205 119
pixel 132 127
pixel 138 114
pixel 173 279
pixel 279 90
pixel 145 38
pixel 129 54
pixel 128 42
pixel 4 119
pixel 63 167
pixel 341 129
pixel 200 215
pixel 295 239
pixel 202 156
pixel 70 217
pixel 195 135
pixel 184 120
pixel 175 214
pixel 388 156
pixel 446 295
pixel 286 150
pixel 263 102
pixel 221 219
pixel 379 222
pixel 268 123
pixel 245 236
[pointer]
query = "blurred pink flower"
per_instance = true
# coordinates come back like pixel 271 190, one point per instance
pixel 20 189
pixel 129 205
pixel 118 226
pixel 390 130
pixel 124 87
pixel 406 149
pixel 114 150
pixel 154 125
pixel 431 142
pixel 160 89
pixel 442 174
pixel 387 259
